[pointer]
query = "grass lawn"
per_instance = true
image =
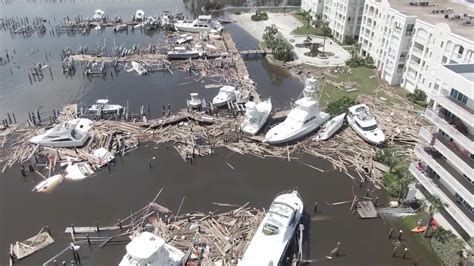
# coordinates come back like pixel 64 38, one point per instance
pixel 307 28
pixel 360 75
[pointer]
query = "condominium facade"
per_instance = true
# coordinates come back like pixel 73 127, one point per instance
pixel 446 155
pixel 409 41
pixel 344 16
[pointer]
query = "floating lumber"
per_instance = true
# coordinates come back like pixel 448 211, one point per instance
pixel 89 229
pixel 32 244
pixel 366 209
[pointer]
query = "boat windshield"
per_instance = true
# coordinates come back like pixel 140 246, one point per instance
pixel 281 209
pixel 368 128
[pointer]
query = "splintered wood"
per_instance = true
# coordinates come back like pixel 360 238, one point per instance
pixel 217 237
pixel 31 245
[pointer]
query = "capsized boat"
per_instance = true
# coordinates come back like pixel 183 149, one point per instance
pixel 73 133
pixel 78 171
pixel 180 53
pixel 226 93
pixel 255 116
pixel 303 119
pixel 184 38
pixel 194 102
pixel 139 15
pixel 49 184
pixel 364 124
pixel 102 106
pixel 331 127
pixel 151 250
pixel 138 68
pixel 103 156
pixel 242 96
pixel 202 23
pixel 275 232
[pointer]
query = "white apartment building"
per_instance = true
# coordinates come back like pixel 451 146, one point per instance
pixel 409 41
pixel 315 7
pixel 344 17
pixel 446 157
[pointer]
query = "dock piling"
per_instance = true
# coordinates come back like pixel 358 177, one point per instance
pixel 405 253
pixel 97 227
pixel 315 207
pixel 390 234
pixel 400 234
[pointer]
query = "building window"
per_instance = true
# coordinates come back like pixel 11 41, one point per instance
pixel 461 50
pixel 458 96
pixel 442 43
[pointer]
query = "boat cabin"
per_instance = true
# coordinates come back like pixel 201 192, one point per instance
pixel 362 117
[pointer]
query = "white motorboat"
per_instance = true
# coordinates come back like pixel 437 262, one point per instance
pixel 202 23
pixel 102 106
pixel 181 53
pixel 121 27
pixel 275 232
pixel 139 68
pixel 151 250
pixel 99 15
pixel 184 38
pixel 226 93
pixel 165 18
pixel 150 23
pixel 103 156
pixel 194 102
pixel 364 124
pixel 49 184
pixel 255 116
pixel 303 119
pixel 139 15
pixel 78 171
pixel 331 127
pixel 242 96
pixel 73 133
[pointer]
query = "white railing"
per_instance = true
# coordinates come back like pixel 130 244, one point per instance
pixel 426 133
pixel 452 207
pixel 454 108
pixel 444 174
pixel 452 131
pixel 454 159
pixel 417 52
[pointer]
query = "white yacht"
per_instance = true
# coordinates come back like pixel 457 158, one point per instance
pixel 138 67
pixel 242 96
pixel 78 171
pixel 165 19
pixel 73 133
pixel 275 232
pixel 202 23
pixel 331 127
pixel 194 102
pixel 180 53
pixel 364 124
pixel 99 15
pixel 255 116
pixel 120 27
pixel 102 106
pixel 226 93
pixel 49 184
pixel 147 249
pixel 139 15
pixel 303 119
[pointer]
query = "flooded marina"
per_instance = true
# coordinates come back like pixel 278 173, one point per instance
pixel 224 177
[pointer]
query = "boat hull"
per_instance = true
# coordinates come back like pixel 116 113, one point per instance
pixel 295 134
pixel 359 132
pixel 332 128
pixel 253 128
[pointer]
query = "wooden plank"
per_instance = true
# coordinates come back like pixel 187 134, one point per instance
pixel 366 210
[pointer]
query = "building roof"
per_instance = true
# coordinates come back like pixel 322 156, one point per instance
pixel 426 14
pixel 465 70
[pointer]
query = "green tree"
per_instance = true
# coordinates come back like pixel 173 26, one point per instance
pixel 340 105
pixel 435 206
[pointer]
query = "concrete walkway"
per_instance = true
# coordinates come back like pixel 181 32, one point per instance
pixel 286 23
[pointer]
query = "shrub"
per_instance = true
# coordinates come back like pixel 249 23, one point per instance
pixel 259 16
pixel 418 97
pixel 391 183
pixel 238 13
pixel 281 49
pixel 213 6
pixel 386 156
pixel 340 106
pixel 349 40
pixel 447 246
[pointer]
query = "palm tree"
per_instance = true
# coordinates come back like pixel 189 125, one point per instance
pixel 435 206
pixel 404 177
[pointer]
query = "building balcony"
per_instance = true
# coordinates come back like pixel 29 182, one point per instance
pixel 417 52
pixel 460 160
pixel 462 216
pixel 441 166
pixel 454 106
pixel 427 134
pixel 448 125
